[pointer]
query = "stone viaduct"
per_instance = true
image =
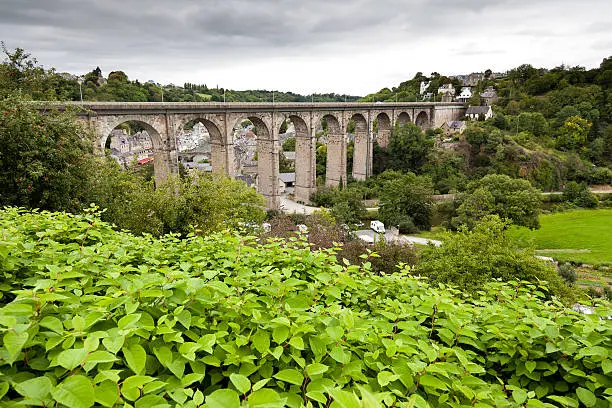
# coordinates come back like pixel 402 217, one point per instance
pixel 165 121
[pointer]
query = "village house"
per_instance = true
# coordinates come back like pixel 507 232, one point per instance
pixel 479 112
pixel 453 127
pixel 465 95
pixel 489 96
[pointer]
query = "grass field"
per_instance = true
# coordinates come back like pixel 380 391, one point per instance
pixel 582 236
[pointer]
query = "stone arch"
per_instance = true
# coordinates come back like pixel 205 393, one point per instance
pixel 165 160
pixel 384 129
pixel 335 168
pixel 422 120
pixel 404 118
pixel 362 149
pixel 218 145
pixel 111 122
pixel 267 160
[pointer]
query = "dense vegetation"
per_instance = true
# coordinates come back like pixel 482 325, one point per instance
pixel 94 316
pixel 23 72
pixel 550 127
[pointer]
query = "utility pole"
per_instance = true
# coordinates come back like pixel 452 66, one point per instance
pixel 223 95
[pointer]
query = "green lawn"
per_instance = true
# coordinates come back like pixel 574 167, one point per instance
pixel 583 236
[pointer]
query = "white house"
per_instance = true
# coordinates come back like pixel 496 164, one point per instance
pixel 479 112
pixel 424 86
pixel 465 95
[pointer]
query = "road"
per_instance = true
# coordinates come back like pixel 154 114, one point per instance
pixel 291 207
pixel 369 236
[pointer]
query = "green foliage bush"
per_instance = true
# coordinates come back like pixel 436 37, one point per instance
pixel 470 259
pixel 512 199
pixel 94 316
pixel 406 202
pixel 579 195
pixel 45 158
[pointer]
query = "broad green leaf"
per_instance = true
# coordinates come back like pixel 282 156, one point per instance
pixel 75 392
pixel 261 341
pixel 565 401
pixel 114 343
pixel 530 366
pixel 344 399
pixel 260 384
pixel 431 381
pixel 129 321
pixel 241 383
pixel 385 377
pixel 606 366
pixel 107 393
pixel 520 396
pixel 52 323
pixel 135 357
pixel 71 358
pixel 13 343
pixel 4 387
pixel 316 369
pixel 291 376
pixel 297 342
pixel 36 388
pixel 280 334
pixel 151 401
pixel 586 396
pixel 223 399
pixel 266 398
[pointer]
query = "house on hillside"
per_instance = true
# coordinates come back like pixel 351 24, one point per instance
pixel 465 95
pixel 489 96
pixel 479 113
pixel 424 86
pixel 453 127
pixel 447 89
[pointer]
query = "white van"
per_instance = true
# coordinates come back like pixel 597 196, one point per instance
pixel 377 226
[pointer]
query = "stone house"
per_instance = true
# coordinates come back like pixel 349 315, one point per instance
pixel 453 127
pixel 489 96
pixel 479 112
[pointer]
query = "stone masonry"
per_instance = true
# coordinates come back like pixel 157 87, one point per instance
pixel 164 121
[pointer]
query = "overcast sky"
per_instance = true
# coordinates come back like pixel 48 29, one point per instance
pixel 342 46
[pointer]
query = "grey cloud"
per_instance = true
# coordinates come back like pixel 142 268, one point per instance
pixel 214 33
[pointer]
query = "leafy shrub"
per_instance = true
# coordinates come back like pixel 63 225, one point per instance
pixel 103 317
pixel 512 199
pixel 579 195
pixel 470 259
pixel 567 272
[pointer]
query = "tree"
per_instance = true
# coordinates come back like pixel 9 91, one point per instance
pixel 573 133
pixel 118 76
pixel 289 145
pixel 471 258
pixel 409 147
pixel 406 202
pixel 579 194
pixel 513 199
pixel 45 158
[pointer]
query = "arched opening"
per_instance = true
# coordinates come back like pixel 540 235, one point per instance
pixel 422 120
pixel 256 157
pixel 403 119
pixel 333 148
pixel 383 129
pixel 361 150
pixel 200 146
pixel 130 143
